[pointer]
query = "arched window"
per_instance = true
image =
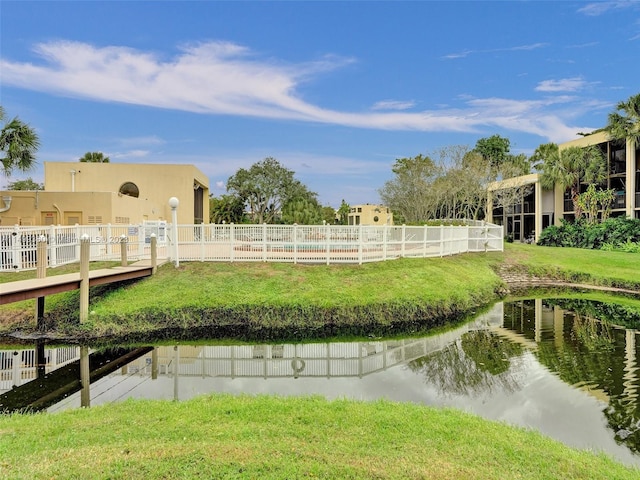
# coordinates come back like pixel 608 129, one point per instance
pixel 130 189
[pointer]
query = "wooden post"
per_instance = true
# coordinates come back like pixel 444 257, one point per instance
pixel 154 363
pixel 154 254
pixel 123 251
pixel 85 377
pixel 41 364
pixel 84 278
pixel 41 273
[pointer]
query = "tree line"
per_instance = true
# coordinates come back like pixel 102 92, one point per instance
pixel 452 183
pixel 449 183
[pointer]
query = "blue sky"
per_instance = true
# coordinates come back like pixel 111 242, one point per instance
pixel 335 91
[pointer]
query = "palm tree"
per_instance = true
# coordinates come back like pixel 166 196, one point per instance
pixel 94 157
pixel 18 144
pixel 572 166
pixel 624 123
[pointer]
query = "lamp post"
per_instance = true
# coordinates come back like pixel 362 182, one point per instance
pixel 173 203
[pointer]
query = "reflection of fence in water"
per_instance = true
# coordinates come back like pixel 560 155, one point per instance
pixel 338 359
pixel 294 360
pixel 20 366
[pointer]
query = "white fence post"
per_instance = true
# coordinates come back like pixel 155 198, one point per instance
pixel 360 245
pixel 200 227
pixel 53 244
pixel 385 237
pixel 327 236
pixel 295 243
pixel 16 247
pixel 264 242
pixel 232 237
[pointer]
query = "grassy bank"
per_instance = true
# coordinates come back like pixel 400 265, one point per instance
pixel 596 267
pixel 270 301
pixel 273 438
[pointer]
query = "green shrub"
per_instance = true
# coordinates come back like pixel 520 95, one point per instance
pixel 613 232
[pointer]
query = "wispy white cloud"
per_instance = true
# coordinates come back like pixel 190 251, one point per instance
pixel 393 105
pixel 573 84
pixel 134 154
pixel 222 78
pixel 517 48
pixel 584 45
pixel 598 8
pixel 139 141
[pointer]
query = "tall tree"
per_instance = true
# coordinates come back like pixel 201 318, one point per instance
pixel 572 166
pixel 343 213
pixel 495 149
pixel 27 184
pixel 18 144
pixel 624 123
pixel 94 157
pixel 302 209
pixel 265 188
pixel 407 193
pixel 329 214
pixel 226 209
pixel 541 154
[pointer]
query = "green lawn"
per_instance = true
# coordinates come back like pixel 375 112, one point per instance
pixel 220 436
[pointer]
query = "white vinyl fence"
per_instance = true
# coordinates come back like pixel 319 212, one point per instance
pixel 327 244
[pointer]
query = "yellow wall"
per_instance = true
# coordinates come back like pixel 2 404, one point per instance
pixel 91 196
pixel 370 215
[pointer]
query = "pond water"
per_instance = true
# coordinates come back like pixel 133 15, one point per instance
pixel 529 363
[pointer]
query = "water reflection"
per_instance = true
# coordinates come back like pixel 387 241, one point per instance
pixel 529 363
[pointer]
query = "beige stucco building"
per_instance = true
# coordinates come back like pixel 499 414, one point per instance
pixel 533 208
pixel 103 193
pixel 370 215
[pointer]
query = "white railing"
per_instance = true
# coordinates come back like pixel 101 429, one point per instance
pixel 242 243
pixel 18 245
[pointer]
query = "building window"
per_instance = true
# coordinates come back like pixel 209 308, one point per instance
pixel 130 189
pixel 375 219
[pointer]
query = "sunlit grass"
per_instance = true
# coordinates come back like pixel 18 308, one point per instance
pixel 264 437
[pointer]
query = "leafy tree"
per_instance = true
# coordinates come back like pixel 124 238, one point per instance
pixel 541 154
pixel 495 149
pixel 343 213
pixel 593 200
pixel 407 194
pixel 18 144
pixel 265 188
pixel 303 209
pixel 570 167
pixel 94 157
pixel 227 209
pixel 27 184
pixel 624 123
pixel 329 214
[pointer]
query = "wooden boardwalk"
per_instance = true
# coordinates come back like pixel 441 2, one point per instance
pixel 40 287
